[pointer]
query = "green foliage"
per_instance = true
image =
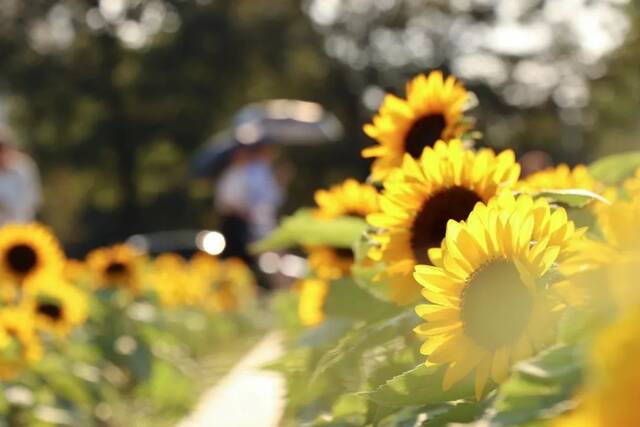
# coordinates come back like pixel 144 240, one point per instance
pixel 538 387
pixel 613 169
pixel 573 198
pixel 284 306
pixel 368 273
pixel 421 385
pixel 578 324
pixel 460 411
pixel 354 344
pixel 348 300
pixel 305 229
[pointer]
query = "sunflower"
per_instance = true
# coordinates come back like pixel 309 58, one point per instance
pixel 57 306
pixel 313 294
pixel 350 198
pixel 116 266
pixel 27 250
pixel 19 343
pixel 602 275
pixel 76 272
pixel 619 222
pixel 169 260
pixel 205 266
pixel 329 263
pixel 432 111
pixel 487 309
pixel 445 183
pixel 174 282
pixel 235 287
pixel 237 271
pixel 562 177
pixel 613 379
pixel 559 178
pixel 632 184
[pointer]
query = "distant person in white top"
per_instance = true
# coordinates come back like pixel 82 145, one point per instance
pixel 247 197
pixel 20 192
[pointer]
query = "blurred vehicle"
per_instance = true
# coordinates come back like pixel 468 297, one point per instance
pixel 183 242
pixel 280 121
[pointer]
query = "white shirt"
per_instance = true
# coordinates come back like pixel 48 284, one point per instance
pixel 250 190
pixel 20 194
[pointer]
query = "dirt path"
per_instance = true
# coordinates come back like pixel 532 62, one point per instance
pixel 247 396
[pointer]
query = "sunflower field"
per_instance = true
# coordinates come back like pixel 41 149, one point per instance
pixel 450 290
pixel 117 339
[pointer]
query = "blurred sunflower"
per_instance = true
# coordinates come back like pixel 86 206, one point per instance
pixel 173 282
pixel 487 310
pixel 225 298
pixel 562 177
pixel 421 197
pixel 432 111
pixel 619 223
pixel 602 275
pixel 613 379
pixel 329 263
pixel 116 266
pixel 313 294
pixel 76 272
pixel 57 306
pixel 19 343
pixel 204 265
pixel 632 184
pixel 235 287
pixel 237 271
pixel 350 198
pixel 28 249
pixel 169 260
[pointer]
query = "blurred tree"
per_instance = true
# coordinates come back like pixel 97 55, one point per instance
pixel 113 95
pixel 530 62
pixel 612 117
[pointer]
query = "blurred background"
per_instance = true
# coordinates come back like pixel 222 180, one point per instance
pixel 113 98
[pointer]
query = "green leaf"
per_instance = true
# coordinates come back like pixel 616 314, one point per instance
pixel 556 364
pixel 612 170
pixel 284 307
pixel 365 271
pixel 303 228
pixel 538 387
pixel 421 385
pixel 346 299
pixel 575 197
pixel 461 411
pixel 577 323
pixel 325 334
pixel 350 405
pixel 366 337
pixel 168 388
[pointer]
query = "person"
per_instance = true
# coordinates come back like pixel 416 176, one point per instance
pixel 534 161
pixel 247 197
pixel 20 192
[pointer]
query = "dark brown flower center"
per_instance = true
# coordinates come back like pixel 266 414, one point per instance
pixel 22 258
pixel 424 133
pixel 355 214
pixel 344 253
pixel 430 224
pixel 51 310
pixel 496 305
pixel 116 269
